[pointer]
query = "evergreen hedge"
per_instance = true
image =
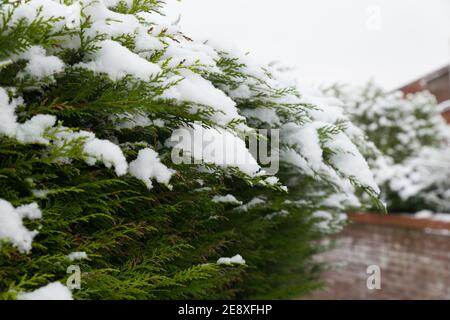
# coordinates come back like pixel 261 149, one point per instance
pixel 89 94
pixel 410 160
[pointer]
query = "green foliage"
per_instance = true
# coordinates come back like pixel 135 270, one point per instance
pixel 23 34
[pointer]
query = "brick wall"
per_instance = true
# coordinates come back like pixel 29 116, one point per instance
pixel 437 82
pixel 413 256
pixel 446 115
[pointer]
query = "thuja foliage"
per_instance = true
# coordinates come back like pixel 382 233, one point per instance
pixel 85 89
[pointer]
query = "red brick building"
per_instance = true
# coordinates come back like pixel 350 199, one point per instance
pixel 438 83
pixel 413 256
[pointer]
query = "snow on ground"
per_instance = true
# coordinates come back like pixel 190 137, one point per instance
pixel 427 214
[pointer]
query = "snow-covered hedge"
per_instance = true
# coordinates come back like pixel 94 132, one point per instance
pixel 96 98
pixel 412 161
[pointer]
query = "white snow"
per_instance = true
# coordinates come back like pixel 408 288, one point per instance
pixel 148 166
pixel 423 214
pixel 52 291
pixel 191 53
pixel 8 118
pixel 272 180
pixel 305 152
pixel 31 131
pixel 117 62
pixel 325 217
pixel 196 89
pixel 256 201
pixel 115 3
pixel 39 64
pixel 250 64
pixel 95 149
pixel 229 198
pixel 135 119
pixel 12 228
pixel 306 139
pixel 424 174
pixel 237 259
pixel 427 214
pixel 445 217
pixel 106 152
pixel 213 145
pixel 131 121
pixel 350 162
pixel 282 213
pixel 40 193
pixel 47 9
pixel 107 21
pixel 266 115
pixel 77 255
pixel 341 201
pixel 291 156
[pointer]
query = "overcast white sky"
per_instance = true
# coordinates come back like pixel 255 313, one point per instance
pixel 347 41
